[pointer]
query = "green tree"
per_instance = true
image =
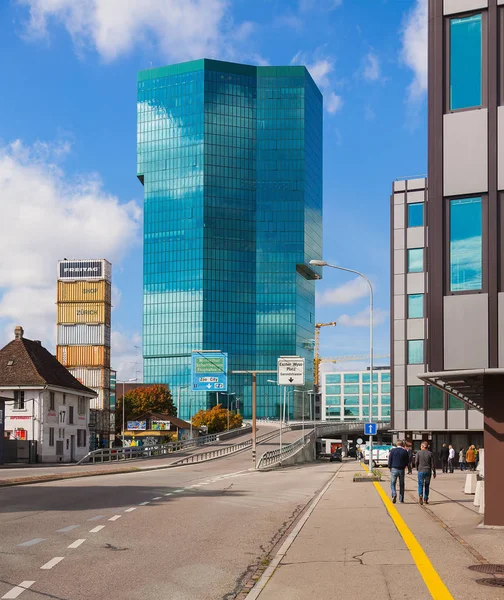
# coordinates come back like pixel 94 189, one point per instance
pixel 154 398
pixel 216 419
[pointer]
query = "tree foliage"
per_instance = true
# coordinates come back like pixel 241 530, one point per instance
pixel 154 398
pixel 216 419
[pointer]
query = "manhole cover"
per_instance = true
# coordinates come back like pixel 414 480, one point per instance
pixel 491 582
pixel 489 569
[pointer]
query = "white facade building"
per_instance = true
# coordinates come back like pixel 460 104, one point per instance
pixel 345 395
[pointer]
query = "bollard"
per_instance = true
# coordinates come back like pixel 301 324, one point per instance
pixel 477 495
pixel 482 498
pixel 470 484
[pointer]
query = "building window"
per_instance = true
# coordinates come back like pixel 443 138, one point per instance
pixel 436 398
pixel 415 306
pixel 385 376
pixel 64 398
pixel 19 400
pixel 351 389
pixel 415 352
pixel 333 378
pixel 365 389
pixel 81 438
pixel 333 400
pixel 385 411
pixel 415 260
pixel 466 62
pixel 81 406
pixel 351 377
pixel 51 436
pixel 466 244
pixel 70 415
pixel 351 400
pixel 385 399
pixel 331 411
pixel 352 411
pixel 333 389
pixel 365 377
pixel 416 214
pixel 365 411
pixel 455 403
pixel 415 397
pixel 52 403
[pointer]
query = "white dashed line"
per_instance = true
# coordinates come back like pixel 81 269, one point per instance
pixel 97 529
pixel 67 528
pixel 115 517
pixel 157 498
pixel 31 542
pixel 97 518
pixel 143 503
pixel 178 491
pixel 131 509
pixel 77 543
pixel 52 563
pixel 19 589
pixel 169 494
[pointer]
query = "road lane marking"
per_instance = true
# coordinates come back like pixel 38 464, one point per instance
pixel 16 591
pixel 97 518
pixel 170 494
pixel 177 491
pixel 131 509
pixel 432 580
pixel 143 503
pixel 97 529
pixel 67 528
pixel 77 543
pixel 157 498
pixel 115 517
pixel 32 542
pixel 52 563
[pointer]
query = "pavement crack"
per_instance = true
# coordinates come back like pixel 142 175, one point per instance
pixel 114 548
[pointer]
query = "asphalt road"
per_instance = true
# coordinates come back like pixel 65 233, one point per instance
pixel 190 532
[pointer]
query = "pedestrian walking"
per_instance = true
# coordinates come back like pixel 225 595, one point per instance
pixel 451 458
pixel 471 458
pixel 397 463
pixel 426 468
pixel 443 455
pixel 409 449
pixel 462 459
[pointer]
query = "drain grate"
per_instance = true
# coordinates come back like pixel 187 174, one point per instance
pixel 491 582
pixel 488 569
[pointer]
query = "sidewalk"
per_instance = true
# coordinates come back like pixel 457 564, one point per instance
pixel 351 546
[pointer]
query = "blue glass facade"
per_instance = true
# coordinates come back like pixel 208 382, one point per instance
pixel 230 157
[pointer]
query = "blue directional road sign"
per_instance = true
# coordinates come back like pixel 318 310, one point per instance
pixel 370 429
pixel 209 371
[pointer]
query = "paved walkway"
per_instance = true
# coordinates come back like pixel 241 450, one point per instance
pixel 356 543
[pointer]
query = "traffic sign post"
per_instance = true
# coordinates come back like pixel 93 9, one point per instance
pixel 209 371
pixel 370 429
pixel 291 370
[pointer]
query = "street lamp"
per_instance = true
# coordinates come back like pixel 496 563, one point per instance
pixel 323 263
pixel 303 413
pixel 228 394
pixel 123 412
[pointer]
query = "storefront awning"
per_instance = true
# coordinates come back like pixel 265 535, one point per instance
pixel 466 385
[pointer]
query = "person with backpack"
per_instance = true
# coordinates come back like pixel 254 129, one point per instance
pixel 443 455
pixel 397 463
pixel 426 468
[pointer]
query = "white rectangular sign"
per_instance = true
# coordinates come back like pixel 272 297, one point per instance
pixel 291 370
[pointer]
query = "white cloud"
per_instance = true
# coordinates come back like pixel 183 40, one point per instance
pixel 361 319
pixel 344 294
pixel 414 48
pixel 46 217
pixel 372 69
pixel 321 68
pixel 181 29
pixel 321 5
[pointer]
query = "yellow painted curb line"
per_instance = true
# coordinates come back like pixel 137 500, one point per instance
pixel 433 581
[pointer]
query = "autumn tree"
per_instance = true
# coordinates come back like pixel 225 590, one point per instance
pixel 153 398
pixel 216 419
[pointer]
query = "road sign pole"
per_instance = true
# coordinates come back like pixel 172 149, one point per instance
pixel 254 416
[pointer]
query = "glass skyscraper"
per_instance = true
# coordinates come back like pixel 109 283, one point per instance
pixel 230 157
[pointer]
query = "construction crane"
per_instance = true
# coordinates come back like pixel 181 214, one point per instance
pixel 336 359
pixel 316 359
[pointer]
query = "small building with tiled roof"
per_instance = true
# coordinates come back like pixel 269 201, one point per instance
pixel 43 402
pixel 157 428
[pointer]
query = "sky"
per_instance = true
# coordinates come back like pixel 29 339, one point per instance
pixel 68 186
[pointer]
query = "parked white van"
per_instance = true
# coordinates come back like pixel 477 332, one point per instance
pixel 380 455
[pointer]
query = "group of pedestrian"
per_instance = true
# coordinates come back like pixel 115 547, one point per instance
pixel 401 458
pixel 468 459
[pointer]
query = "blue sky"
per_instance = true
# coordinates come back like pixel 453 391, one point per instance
pixel 67 141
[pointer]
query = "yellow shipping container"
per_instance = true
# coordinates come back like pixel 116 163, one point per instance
pixel 84 312
pixel 84 291
pixel 83 356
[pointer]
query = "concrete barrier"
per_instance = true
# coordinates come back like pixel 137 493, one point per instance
pixel 470 484
pixel 482 498
pixel 477 494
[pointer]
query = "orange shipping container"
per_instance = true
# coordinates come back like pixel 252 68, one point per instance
pixel 83 356
pixel 84 291
pixel 84 312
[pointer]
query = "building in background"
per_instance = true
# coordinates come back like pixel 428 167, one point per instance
pixel 465 212
pixel 345 395
pixel 84 307
pixel 419 411
pixel 230 157
pixel 46 408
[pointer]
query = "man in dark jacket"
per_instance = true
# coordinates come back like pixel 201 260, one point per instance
pixel 397 462
pixel 443 455
pixel 426 467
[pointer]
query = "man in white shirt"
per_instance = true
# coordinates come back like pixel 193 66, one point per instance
pixel 451 458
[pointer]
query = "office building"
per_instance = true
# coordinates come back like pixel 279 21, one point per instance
pixel 419 411
pixel 345 395
pixel 84 309
pixel 230 157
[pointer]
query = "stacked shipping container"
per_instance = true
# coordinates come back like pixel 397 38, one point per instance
pixel 84 314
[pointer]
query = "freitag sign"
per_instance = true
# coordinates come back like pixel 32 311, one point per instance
pixel 81 269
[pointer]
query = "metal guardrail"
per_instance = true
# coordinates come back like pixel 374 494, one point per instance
pixel 140 452
pixel 276 457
